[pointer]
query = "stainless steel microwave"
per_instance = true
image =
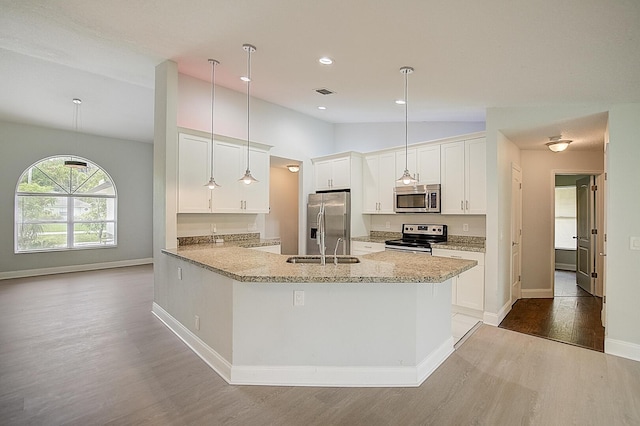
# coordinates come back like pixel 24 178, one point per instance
pixel 416 199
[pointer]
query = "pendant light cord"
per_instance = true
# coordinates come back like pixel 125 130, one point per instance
pixel 406 121
pixel 248 97
pixel 213 103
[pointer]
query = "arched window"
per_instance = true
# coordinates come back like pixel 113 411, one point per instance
pixel 62 208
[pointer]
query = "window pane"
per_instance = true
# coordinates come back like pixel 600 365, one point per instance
pixel 93 233
pixel 93 209
pixel 93 180
pixel 565 220
pixel 41 236
pixel 40 208
pixel 39 181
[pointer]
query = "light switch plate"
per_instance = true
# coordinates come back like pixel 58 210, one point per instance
pixel 634 243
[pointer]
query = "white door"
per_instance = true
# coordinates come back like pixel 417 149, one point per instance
pixel 230 164
pixel 585 217
pixel 516 233
pixel 428 164
pixel 370 202
pixel 386 182
pixel 194 163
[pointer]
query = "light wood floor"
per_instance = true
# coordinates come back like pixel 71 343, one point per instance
pixel 84 349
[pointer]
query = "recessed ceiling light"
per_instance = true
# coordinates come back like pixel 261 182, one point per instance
pixel 400 102
pixel 244 78
pixel 325 60
pixel 322 107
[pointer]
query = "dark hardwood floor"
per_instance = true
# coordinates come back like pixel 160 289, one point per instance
pixel 572 316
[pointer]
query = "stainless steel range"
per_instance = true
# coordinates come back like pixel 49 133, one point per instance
pixel 418 238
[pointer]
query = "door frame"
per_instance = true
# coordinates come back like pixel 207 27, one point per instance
pixel 515 168
pixel 599 220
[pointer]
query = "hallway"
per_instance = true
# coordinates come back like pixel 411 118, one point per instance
pixel 573 316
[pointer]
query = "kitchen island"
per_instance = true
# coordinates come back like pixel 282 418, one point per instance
pixel 256 319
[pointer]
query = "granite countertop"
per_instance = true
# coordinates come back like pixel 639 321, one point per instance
pixel 245 265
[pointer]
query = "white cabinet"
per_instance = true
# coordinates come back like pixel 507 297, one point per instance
pixel 467 290
pixel 194 162
pixel 428 164
pixel 463 177
pixel 378 180
pixel 230 163
pixel 334 173
pixel 359 248
pixel 423 163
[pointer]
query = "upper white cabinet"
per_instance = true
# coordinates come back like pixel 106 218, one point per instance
pixel 378 180
pixel 423 163
pixel 230 163
pixel 333 173
pixel 230 157
pixel 194 161
pixel 463 177
pixel 428 164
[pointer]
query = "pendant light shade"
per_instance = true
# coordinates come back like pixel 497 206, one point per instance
pixel 406 178
pixel 247 178
pixel 557 144
pixel 212 184
pixel 71 163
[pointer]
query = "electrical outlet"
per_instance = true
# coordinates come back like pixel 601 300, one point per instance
pixel 197 322
pixel 634 243
pixel 387 225
pixel 465 227
pixel 213 228
pixel 298 298
pixel 179 273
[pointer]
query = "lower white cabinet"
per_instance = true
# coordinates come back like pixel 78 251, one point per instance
pixel 359 248
pixel 467 289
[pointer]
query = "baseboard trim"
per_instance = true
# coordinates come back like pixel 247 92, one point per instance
pixel 566 267
pixel 537 293
pixel 73 268
pixel 330 376
pixel 622 349
pixel 495 319
pixel 200 348
pixel 292 375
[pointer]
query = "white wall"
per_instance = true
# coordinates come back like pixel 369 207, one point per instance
pixel 623 264
pixel 538 183
pixel 366 137
pixel 291 134
pixel 128 163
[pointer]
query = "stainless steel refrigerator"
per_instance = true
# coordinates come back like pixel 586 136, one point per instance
pixel 337 222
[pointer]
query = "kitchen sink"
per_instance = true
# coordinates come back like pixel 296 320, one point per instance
pixel 328 259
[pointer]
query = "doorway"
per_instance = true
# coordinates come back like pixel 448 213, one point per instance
pixel 282 220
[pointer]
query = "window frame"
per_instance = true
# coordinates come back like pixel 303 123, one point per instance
pixel 70 221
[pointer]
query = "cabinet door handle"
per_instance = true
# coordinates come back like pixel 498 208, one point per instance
pixel 418 176
pixel 461 205
pixel 467 204
pixel 209 203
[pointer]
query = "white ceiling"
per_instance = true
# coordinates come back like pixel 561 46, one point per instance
pixel 467 55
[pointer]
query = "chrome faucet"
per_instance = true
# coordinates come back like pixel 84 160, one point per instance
pixel 335 251
pixel 321 235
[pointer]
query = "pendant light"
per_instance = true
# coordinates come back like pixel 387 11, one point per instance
pixel 212 184
pixel 247 178
pixel 406 178
pixel 71 163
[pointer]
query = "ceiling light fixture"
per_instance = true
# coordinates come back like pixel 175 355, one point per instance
pixel 322 107
pixel 557 144
pixel 247 178
pixel 293 168
pixel 406 178
pixel 71 163
pixel 212 184
pixel 325 60
pixel 400 102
